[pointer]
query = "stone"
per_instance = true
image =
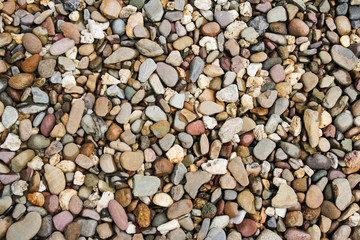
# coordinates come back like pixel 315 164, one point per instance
pixel 179 209
pixel 298 28
pixel 167 74
pixel 132 161
pixel 149 48
pixel 342 193
pixel 210 108
pixel 344 57
pixel 27 228
pixel 61 46
pixel 118 214
pixel 154 10
pixel 237 169
pixel 145 185
pixel 263 149
pixel 55 179
pixel 285 197
pixel 32 43
pixel 216 166
pixel 277 14
pixel 110 8
pixel 9 116
pixel 229 129
pixel 194 180
pixel 121 54
pixel 314 197
pixel 61 220
pixel 146 69
pixel 21 81
pixel 75 116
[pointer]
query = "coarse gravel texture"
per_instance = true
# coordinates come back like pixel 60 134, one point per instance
pixel 159 119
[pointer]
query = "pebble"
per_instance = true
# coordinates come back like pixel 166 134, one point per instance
pixel 32 43
pixel 9 116
pixel 285 197
pixel 21 81
pixel 167 74
pixel 263 149
pixel 344 57
pixel 194 180
pixel 145 185
pixel 189 119
pixel 118 214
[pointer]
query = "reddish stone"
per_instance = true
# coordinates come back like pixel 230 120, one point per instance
pixel 226 150
pixel 62 219
pixel 14 94
pixel 26 173
pixel 185 65
pixel 269 44
pixel 47 124
pixel 51 203
pixel 220 207
pixel 90 213
pixel 58 37
pixel 225 63
pixel 296 234
pixel 334 173
pixel 195 128
pixel 329 131
pixel 118 214
pixel 247 227
pixel 247 138
pixel 49 25
pixel 210 29
pixel 70 31
pixel 244 52
pixel 75 205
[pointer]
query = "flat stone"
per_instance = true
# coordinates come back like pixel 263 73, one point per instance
pixel 55 179
pixel 231 127
pixel 285 197
pixel 146 69
pixel 132 161
pixel 61 46
pixel 75 116
pixel 149 48
pixel 237 169
pixel 145 185
pixel 167 74
pixel 263 149
pixel 154 10
pixel 179 209
pixel 342 193
pixel 194 180
pixel 209 108
pixel 121 54
pixel 9 116
pixel 27 228
pixel 344 57
pixel 228 94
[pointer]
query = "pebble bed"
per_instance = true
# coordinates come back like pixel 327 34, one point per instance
pixel 180 119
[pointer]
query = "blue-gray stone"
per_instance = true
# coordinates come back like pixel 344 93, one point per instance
pixel 145 185
pixel 354 12
pixel 196 68
pixel 259 23
pixel 154 10
pixel 342 9
pixel 216 234
pixel 118 27
pixel 39 96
